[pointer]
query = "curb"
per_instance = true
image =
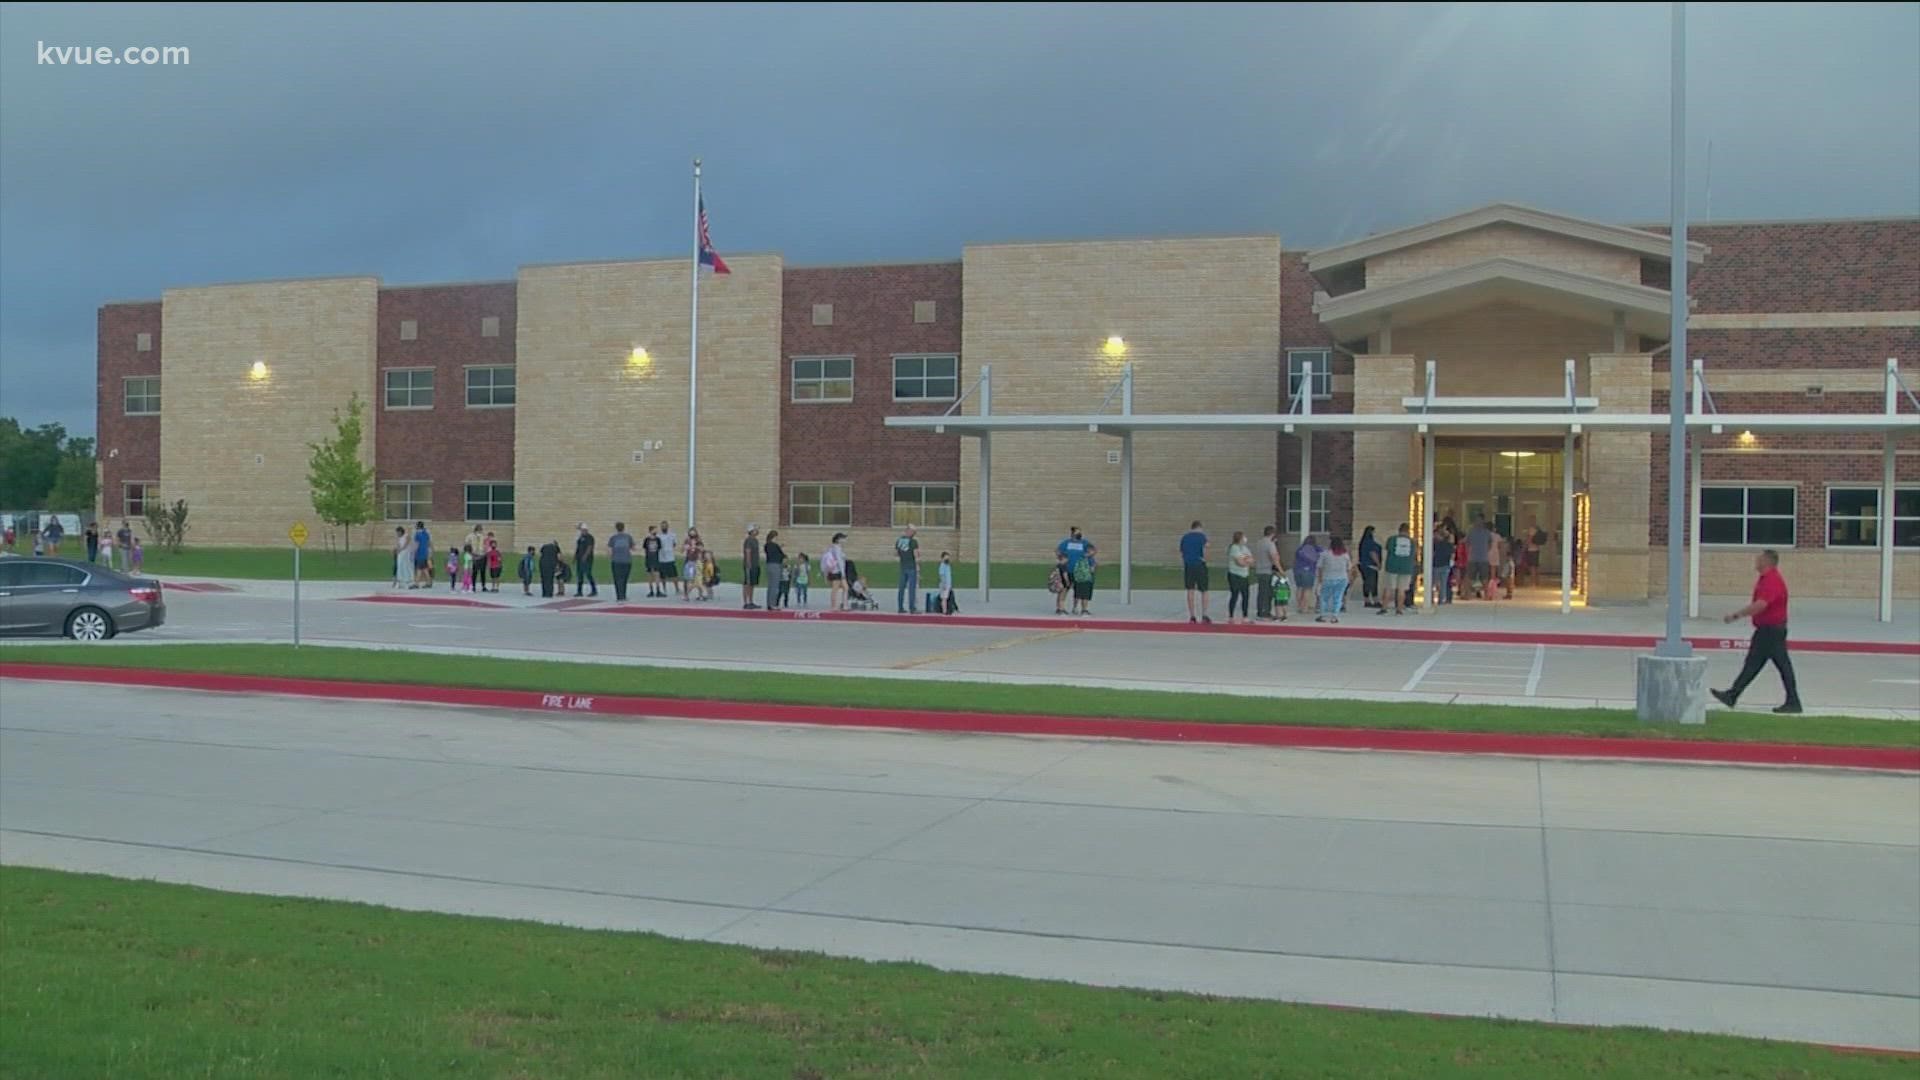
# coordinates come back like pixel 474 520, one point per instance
pixel 1887 759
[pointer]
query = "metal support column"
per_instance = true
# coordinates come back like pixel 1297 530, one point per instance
pixel 1566 525
pixel 1693 496
pixel 1427 593
pixel 986 489
pixel 1306 455
pixel 1673 645
pixel 1887 495
pixel 1126 489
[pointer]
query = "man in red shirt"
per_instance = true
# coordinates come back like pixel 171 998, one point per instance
pixel 1769 614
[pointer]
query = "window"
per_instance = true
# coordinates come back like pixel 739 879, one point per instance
pixel 820 504
pixel 823 314
pixel 409 500
pixel 143 343
pixel 137 498
pixel 143 396
pixel 1318 363
pixel 1318 522
pixel 926 378
pixel 1759 516
pixel 23 574
pixel 490 388
pixel 823 378
pixel 929 506
pixel 409 329
pixel 1853 517
pixel 923 311
pixel 409 388
pixel 489 502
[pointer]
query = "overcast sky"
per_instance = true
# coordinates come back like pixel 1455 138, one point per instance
pixel 454 142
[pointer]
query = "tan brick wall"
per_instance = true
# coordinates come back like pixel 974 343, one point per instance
pixel 1383 462
pixel 236 448
pixel 1619 471
pixel 1852 575
pixel 583 408
pixel 1202 322
pixel 1504 350
pixel 1502 241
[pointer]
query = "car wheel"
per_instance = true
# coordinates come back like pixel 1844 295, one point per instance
pixel 89 624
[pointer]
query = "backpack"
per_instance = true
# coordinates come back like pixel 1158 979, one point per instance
pixel 1056 581
pixel 1083 572
pixel 526 567
pixel 1282 590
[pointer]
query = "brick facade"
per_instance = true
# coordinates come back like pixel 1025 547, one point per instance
pixel 129 446
pixel 449 444
pixel 1808 266
pixel 873 319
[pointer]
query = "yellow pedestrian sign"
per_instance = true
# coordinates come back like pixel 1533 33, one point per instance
pixel 298 534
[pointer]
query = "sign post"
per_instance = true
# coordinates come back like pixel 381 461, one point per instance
pixel 297 534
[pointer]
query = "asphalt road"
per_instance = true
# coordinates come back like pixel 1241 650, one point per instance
pixel 1292 666
pixel 1782 903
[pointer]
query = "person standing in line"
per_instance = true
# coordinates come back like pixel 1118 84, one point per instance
pixel 650 550
pixel 1443 565
pixel 136 556
pixel 1400 557
pixel 833 563
pixel 1480 560
pixel 549 565
pixel 1306 564
pixel 493 561
pixel 1266 556
pixel 583 563
pixel 527 564
pixel 1504 548
pixel 801 572
pixel 750 568
pixel 93 542
pixel 402 557
pixel 123 539
pixel 476 539
pixel 1335 573
pixel 1239 573
pixel 56 532
pixel 1083 575
pixel 1193 572
pixel 106 547
pixel 946 584
pixel 690 566
pixel 906 597
pixel 453 569
pixel 422 556
pixel 1370 555
pixel 776 557
pixel 620 556
pixel 669 574
pixel 1768 610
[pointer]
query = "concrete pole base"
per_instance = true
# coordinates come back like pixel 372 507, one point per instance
pixel 1670 689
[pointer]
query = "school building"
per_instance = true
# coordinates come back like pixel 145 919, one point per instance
pixel 1132 386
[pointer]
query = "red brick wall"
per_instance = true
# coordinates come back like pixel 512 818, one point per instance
pixel 1820 347
pixel 1332 450
pixel 449 444
pixel 872 321
pixel 1808 266
pixel 129 445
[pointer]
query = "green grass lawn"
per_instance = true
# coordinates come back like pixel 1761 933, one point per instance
pixel 603 679
pixel 124 979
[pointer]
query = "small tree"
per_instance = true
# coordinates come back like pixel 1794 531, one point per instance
pixel 75 484
pixel 342 485
pixel 167 525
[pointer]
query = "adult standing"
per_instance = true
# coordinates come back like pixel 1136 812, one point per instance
pixel 1306 567
pixel 1335 573
pixel 1266 557
pixel 650 550
pixel 833 563
pixel 583 562
pixel 56 532
pixel 402 557
pixel 1079 554
pixel 1398 562
pixel 495 560
pixel 1193 572
pixel 620 554
pixel 549 565
pixel 1768 610
pixel 422 556
pixel 669 548
pixel 1480 559
pixel 1443 565
pixel 123 538
pixel 750 567
pixel 1533 543
pixel 93 542
pixel 1239 571
pixel 907 596
pixel 1370 554
pixel 776 556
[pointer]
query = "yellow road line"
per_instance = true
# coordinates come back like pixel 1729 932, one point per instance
pixel 975 650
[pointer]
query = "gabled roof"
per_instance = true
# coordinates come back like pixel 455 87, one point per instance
pixel 1620 236
pixel 1582 295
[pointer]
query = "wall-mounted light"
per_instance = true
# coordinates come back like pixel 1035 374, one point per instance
pixel 258 372
pixel 1115 348
pixel 639 359
pixel 1747 439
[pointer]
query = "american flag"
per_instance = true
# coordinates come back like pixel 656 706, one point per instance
pixel 708 256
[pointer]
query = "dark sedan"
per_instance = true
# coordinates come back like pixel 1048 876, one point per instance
pixel 75 599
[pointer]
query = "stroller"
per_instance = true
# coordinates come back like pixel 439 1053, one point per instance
pixel 858 598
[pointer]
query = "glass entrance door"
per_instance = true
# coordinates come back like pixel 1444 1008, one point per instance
pixel 1517 489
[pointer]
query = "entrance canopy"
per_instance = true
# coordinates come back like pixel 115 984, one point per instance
pixel 1643 309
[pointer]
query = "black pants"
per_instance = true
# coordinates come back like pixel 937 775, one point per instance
pixel 583 576
pixel 1769 643
pixel 1264 602
pixel 1369 584
pixel 546 581
pixel 621 572
pixel 1236 593
pixel 776 585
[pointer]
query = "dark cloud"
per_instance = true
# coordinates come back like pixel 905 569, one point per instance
pixel 453 142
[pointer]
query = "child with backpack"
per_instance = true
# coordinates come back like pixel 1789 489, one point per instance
pixel 453 569
pixel 946 584
pixel 1059 584
pixel 800 572
pixel 526 572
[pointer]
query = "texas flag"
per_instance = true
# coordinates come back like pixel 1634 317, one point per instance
pixel 708 256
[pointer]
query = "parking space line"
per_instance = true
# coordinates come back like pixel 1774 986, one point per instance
pixel 1539 663
pixel 1421 672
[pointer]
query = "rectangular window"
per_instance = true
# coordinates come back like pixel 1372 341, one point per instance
pixel 929 506
pixel 933 377
pixel 408 500
pixel 489 501
pixel 820 504
pixel 823 378
pixel 1750 516
pixel 139 497
pixel 1318 523
pixel 1317 363
pixel 143 396
pixel 490 387
pixel 1853 517
pixel 409 388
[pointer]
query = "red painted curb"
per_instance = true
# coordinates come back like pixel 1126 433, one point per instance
pixel 1324 738
pixel 1304 629
pixel 429 601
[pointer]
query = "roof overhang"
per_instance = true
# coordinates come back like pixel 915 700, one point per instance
pixel 1652 244
pixel 1646 310
pixel 1538 423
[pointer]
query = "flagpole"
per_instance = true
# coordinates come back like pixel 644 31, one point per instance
pixel 693 352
